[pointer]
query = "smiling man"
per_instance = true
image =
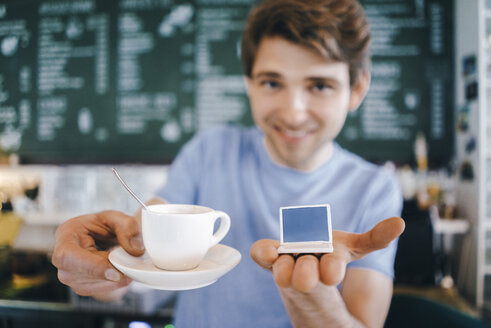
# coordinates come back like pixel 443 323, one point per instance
pixel 300 101
pixel 306 65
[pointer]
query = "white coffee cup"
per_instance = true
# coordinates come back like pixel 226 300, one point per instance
pixel 178 236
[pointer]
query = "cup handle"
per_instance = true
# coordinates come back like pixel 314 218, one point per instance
pixel 222 229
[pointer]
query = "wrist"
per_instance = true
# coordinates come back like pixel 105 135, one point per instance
pixel 322 307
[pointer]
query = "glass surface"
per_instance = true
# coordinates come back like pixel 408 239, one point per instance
pixel 301 224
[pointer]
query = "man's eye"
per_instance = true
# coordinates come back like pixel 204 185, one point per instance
pixel 321 87
pixel 270 84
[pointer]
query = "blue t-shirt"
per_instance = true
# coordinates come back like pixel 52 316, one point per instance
pixel 229 169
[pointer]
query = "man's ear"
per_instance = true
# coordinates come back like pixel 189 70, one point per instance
pixel 359 91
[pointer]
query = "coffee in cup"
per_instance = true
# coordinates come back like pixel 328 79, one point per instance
pixel 177 237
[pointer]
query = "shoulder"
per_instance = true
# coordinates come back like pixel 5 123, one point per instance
pixel 220 143
pixel 365 172
pixel 372 185
pixel 225 138
pixel 222 134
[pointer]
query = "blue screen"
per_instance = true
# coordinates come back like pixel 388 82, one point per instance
pixel 305 224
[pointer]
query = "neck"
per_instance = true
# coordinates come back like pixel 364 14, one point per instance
pixel 313 162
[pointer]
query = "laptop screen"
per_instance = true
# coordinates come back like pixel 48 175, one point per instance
pixel 303 224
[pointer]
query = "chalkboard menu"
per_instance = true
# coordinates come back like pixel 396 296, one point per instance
pixel 99 81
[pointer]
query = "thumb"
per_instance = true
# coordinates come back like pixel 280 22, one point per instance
pixel 126 229
pixel 379 236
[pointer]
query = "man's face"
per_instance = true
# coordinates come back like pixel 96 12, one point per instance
pixel 300 101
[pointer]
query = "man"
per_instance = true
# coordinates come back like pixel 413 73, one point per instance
pixel 306 66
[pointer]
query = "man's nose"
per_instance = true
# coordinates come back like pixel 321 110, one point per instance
pixel 296 99
pixel 294 111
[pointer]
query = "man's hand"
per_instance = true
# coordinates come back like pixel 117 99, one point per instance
pixel 306 272
pixel 81 252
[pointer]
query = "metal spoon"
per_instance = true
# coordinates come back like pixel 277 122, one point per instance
pixel 128 188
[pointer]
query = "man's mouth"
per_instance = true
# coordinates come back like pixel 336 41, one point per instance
pixel 293 135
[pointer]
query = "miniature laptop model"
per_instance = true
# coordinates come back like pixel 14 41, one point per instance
pixel 305 229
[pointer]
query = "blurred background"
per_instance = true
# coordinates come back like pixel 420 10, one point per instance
pixel 87 85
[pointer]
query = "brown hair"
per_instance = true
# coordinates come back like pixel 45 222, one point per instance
pixel 337 29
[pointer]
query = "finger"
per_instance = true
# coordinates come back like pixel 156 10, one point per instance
pixel 332 267
pixel 127 230
pixel 379 237
pixel 113 295
pixel 72 258
pixel 89 287
pixel 306 273
pixel 265 252
pixel 283 270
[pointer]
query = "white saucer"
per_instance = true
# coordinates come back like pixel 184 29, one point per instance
pixel 219 260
